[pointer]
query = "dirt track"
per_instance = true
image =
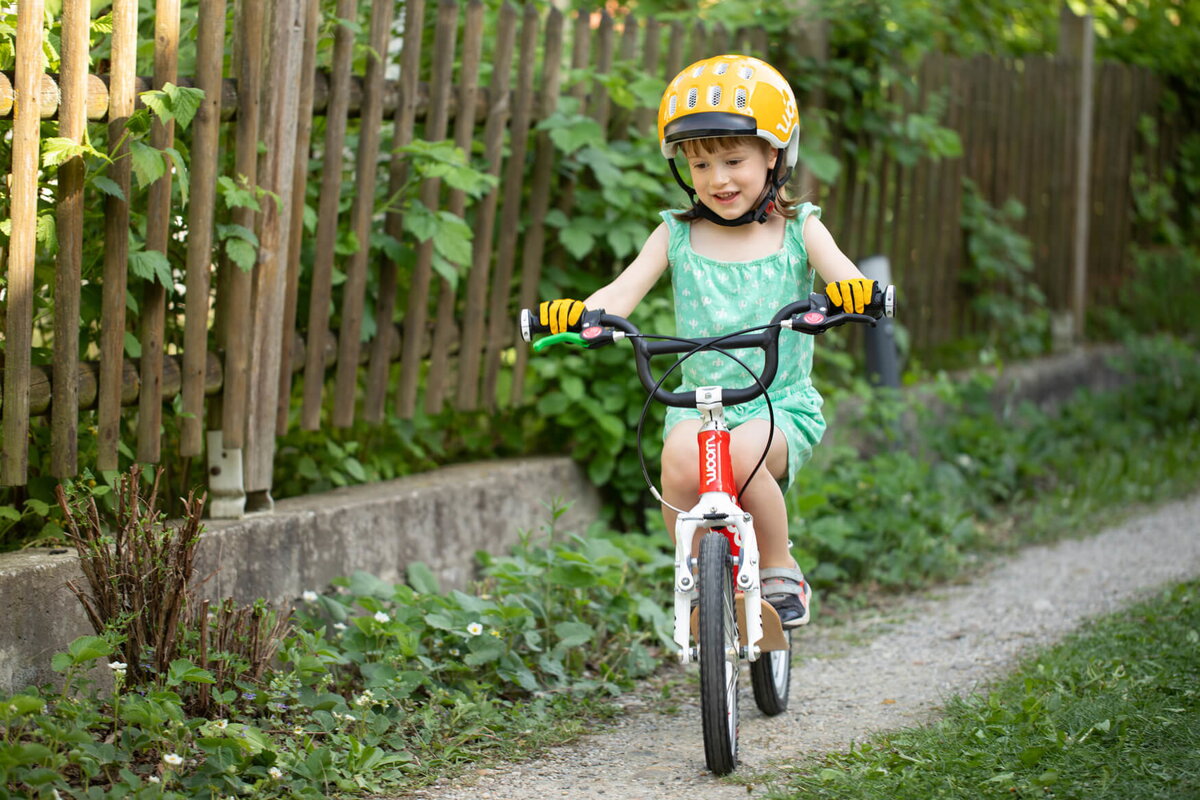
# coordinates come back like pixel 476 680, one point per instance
pixel 875 673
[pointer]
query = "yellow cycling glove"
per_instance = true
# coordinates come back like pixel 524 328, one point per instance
pixel 560 315
pixel 852 295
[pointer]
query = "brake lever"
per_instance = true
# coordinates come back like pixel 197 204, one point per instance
pixel 844 317
pixel 816 322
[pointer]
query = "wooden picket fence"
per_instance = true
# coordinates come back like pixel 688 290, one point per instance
pixel 247 343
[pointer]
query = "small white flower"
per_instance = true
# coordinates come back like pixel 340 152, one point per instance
pixel 297 731
pixel 381 616
pixel 364 699
pixel 154 779
pixel 172 759
pixel 118 667
pixel 474 629
pixel 12 709
pixel 454 651
pixel 309 596
pixel 220 724
pixel 275 772
pixel 339 626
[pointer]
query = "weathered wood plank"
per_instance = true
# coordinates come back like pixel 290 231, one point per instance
pixel 499 110
pixel 539 192
pixel 296 226
pixel 355 287
pixel 282 101
pixel 380 360
pixel 18 337
pixel 321 282
pixel 499 323
pixel 234 292
pixel 206 127
pixel 158 232
pixel 445 328
pixel 64 448
pixel 417 314
pixel 116 232
pixel 599 104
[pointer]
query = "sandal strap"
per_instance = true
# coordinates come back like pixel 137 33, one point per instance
pixel 781 580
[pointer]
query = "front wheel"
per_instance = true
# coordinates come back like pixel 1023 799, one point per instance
pixel 719 655
pixel 771 677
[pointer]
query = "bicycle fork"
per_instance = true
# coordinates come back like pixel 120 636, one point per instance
pixel 717 510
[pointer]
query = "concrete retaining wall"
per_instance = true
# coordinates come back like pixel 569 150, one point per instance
pixel 440 518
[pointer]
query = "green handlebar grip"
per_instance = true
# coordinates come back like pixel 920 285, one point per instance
pixel 558 338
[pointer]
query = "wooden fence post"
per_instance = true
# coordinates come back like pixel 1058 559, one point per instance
pixel 363 209
pixel 1077 40
pixel 116 232
pixel 539 201
pixel 158 231
pixel 402 127
pixel 299 191
pixel 470 351
pixel 18 338
pixel 321 289
pixel 210 48
pixel 281 102
pixel 72 122
pixel 464 132
pixel 499 324
pixel 417 313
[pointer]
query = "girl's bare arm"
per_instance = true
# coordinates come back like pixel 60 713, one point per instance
pixel 623 294
pixel 824 254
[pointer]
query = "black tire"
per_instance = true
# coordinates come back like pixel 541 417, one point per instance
pixel 719 655
pixel 771 676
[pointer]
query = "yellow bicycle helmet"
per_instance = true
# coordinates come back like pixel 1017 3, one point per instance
pixel 731 95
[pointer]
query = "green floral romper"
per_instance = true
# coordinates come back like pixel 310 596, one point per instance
pixel 713 298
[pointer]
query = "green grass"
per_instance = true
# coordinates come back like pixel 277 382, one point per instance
pixel 1112 712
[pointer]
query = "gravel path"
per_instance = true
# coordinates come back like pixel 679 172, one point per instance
pixel 875 673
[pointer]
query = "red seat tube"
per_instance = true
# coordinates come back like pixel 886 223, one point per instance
pixel 716 466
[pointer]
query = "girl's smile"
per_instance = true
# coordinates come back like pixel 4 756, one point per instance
pixel 730 180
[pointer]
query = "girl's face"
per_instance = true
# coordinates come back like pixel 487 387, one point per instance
pixel 729 174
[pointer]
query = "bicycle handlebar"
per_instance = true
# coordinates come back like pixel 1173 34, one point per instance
pixel 808 316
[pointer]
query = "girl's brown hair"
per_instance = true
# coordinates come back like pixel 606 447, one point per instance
pixel 785 204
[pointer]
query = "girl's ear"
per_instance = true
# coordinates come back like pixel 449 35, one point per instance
pixel 773 158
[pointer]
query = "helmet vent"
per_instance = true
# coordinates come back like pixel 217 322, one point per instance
pixel 740 99
pixel 714 95
pixel 698 71
pixel 672 105
pixel 721 68
pixel 693 97
pixel 746 73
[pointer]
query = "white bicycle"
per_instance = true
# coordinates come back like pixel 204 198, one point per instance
pixel 720 617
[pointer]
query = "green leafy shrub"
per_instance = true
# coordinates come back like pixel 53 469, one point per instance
pixel 1000 276
pixel 941 468
pixel 375 686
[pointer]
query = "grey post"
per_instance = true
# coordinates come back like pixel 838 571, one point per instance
pixel 883 362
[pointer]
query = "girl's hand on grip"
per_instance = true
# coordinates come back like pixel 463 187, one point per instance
pixel 561 315
pixel 852 295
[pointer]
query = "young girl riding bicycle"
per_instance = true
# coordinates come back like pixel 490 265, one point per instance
pixel 743 249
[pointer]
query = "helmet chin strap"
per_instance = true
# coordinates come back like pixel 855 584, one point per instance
pixel 760 214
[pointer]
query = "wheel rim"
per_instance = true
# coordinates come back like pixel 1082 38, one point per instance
pixel 732 665
pixel 781 664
